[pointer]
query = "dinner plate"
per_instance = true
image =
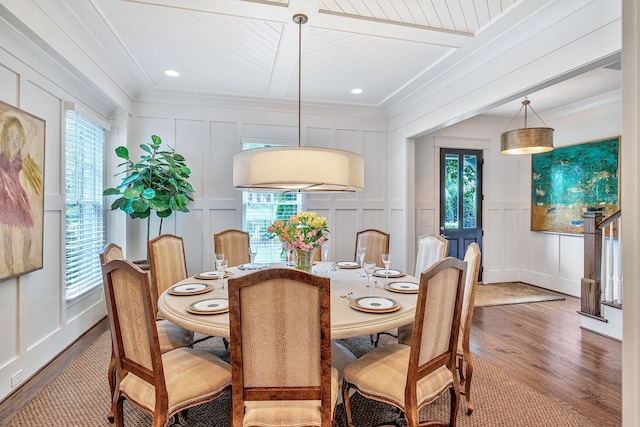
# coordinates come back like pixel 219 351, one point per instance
pixel 207 275
pixel 190 288
pixel 250 266
pixel 209 306
pixel 375 304
pixel 380 272
pixel 402 287
pixel 348 264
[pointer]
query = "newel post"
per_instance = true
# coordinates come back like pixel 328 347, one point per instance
pixel 590 283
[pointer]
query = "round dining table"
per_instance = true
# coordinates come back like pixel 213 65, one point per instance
pixel 347 285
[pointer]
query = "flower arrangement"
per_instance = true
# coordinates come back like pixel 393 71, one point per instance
pixel 303 231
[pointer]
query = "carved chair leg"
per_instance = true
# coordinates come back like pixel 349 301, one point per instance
pixel 467 384
pixel 112 384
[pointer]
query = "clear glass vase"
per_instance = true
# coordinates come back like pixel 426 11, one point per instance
pixel 303 260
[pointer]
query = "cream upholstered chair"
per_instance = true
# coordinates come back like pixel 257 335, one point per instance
pixel 465 365
pixel 167 262
pixel 161 384
pixel 376 242
pixel 234 244
pixel 280 324
pixel 431 249
pixel 170 335
pixel 412 376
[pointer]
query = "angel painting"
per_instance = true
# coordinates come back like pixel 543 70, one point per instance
pixel 21 191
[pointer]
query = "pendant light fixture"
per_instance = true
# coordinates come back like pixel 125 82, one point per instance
pixel 298 168
pixel 526 140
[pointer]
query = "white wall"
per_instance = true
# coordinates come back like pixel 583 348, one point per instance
pixel 209 132
pixel 510 250
pixel 37 323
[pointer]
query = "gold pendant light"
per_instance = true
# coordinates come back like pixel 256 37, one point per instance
pixel 303 169
pixel 526 140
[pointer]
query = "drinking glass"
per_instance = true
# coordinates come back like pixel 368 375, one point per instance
pixel 325 251
pixel 218 257
pixel 369 268
pixel 252 254
pixel 361 253
pixel 386 260
pixel 221 266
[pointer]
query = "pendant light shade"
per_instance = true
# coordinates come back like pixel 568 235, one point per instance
pixel 301 169
pixel 308 169
pixel 526 140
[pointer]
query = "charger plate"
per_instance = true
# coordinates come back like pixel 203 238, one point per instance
pixel 347 264
pixel 209 306
pixel 208 275
pixel 250 266
pixel 190 289
pixel 375 304
pixel 402 287
pixel 380 272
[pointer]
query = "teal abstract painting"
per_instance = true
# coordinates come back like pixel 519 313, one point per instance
pixel 567 180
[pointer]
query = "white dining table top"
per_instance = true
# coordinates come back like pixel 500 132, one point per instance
pixel 346 322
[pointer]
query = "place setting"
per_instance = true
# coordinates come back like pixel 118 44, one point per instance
pixel 209 306
pixel 253 265
pixel 190 288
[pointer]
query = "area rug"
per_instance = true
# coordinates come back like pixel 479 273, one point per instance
pixel 512 293
pixel 79 397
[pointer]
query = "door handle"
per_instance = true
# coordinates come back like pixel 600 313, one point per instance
pixel 444 236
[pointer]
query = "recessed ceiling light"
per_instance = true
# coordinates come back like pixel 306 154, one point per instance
pixel 171 73
pixel 356 91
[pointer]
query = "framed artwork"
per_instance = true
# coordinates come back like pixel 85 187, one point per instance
pixel 22 137
pixel 568 181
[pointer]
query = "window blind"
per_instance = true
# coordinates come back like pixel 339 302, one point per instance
pixel 84 220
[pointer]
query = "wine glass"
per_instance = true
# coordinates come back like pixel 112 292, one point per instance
pixel 386 260
pixel 252 254
pixel 221 266
pixel 219 257
pixel 362 250
pixel 369 268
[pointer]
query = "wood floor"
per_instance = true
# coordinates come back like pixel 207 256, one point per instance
pixel 541 344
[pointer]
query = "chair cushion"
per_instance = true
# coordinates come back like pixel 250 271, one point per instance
pixel 172 336
pixel 381 374
pixel 191 376
pixel 289 413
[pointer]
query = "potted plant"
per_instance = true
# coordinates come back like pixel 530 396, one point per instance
pixel 157 182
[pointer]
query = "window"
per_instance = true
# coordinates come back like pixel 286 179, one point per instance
pixel 260 210
pixel 84 222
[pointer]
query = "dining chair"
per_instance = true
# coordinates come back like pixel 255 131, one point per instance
pixel 161 384
pixel 234 244
pixel 280 327
pixel 167 262
pixel 410 377
pixel 170 335
pixel 431 249
pixel 376 242
pixel 168 266
pixel 472 257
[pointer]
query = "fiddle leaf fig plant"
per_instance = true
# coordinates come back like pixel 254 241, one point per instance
pixel 158 182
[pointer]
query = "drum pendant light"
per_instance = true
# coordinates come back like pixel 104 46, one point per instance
pixel 526 140
pixel 298 168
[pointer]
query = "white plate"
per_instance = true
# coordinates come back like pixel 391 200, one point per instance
pixel 347 264
pixel 214 274
pixel 190 289
pixel 402 287
pixel 210 306
pixel 374 304
pixel 254 266
pixel 381 272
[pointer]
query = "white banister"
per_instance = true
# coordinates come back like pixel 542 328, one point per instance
pixel 611 267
